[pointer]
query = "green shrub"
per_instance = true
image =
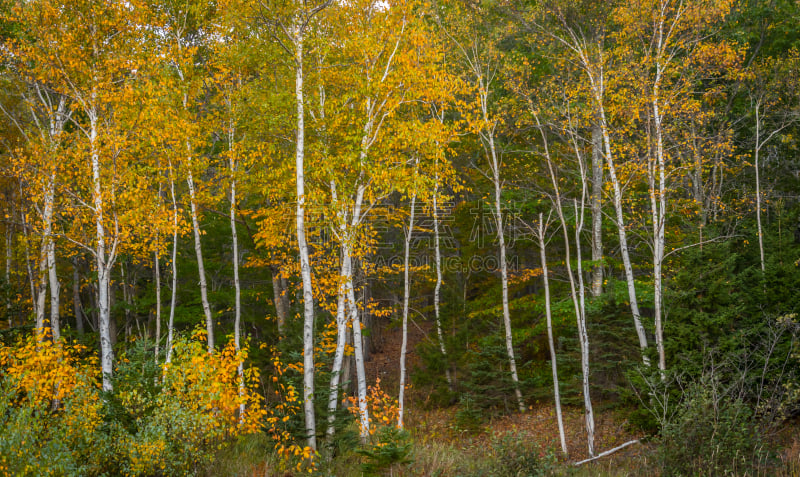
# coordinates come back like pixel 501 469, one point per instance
pixel 469 417
pixel 513 455
pixel 711 436
pixel 392 449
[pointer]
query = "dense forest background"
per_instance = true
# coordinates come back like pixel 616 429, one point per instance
pixel 257 237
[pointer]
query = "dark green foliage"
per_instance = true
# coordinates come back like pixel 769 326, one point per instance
pixel 392 449
pixel 711 436
pixel 469 417
pixel 514 456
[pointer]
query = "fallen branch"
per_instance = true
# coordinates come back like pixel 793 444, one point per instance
pixel 608 452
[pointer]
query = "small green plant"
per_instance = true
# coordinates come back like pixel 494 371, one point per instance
pixel 468 418
pixel 391 450
pixel 515 456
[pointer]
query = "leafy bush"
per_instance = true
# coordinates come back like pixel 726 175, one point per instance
pixel 392 449
pixel 711 436
pixel 55 420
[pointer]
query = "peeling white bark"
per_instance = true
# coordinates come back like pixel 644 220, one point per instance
pixel 198 250
pixel 437 288
pixel 550 341
pixel 406 299
pixel 174 265
pixel 305 262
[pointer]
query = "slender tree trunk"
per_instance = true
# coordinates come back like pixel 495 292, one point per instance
pixel 157 274
pixel 341 299
pixel 237 288
pixel 577 292
pixel 55 288
pixel 9 237
pixel 174 265
pixel 437 288
pixel 623 235
pixel 506 312
pixel 76 297
pixel 758 187
pixel 406 299
pixel 597 210
pixel 361 379
pixel 278 294
pixel 305 262
pixel 551 342
pixel 200 266
pixel 56 126
pixel 659 223
pixel 341 341
pixel 42 323
pixel 103 262
pixel 494 163
pixel 583 334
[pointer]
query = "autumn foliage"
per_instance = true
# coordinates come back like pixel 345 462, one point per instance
pixel 160 419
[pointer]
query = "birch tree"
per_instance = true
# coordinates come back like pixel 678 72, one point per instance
pixel 406 297
pixel 42 127
pixel 368 133
pixel 590 55
pixel 288 25
pixel 185 31
pixel 577 290
pixel 480 69
pixel 86 51
pixel 540 233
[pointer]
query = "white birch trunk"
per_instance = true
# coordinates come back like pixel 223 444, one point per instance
pixel 437 288
pixel 55 288
pixel 582 333
pixel 597 210
pixel 42 324
pixel 756 153
pixel 406 298
pixel 198 249
pixel 361 378
pixel 623 235
pixel 577 292
pixel 355 317
pixel 551 342
pixel 494 163
pixel 237 288
pixel 9 235
pixel 174 265
pixel 76 297
pixel 104 262
pixel 341 300
pixel 659 205
pixel 338 358
pixel 157 273
pixel 305 262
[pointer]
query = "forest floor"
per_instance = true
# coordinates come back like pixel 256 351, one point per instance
pixel 538 425
pixel 444 447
